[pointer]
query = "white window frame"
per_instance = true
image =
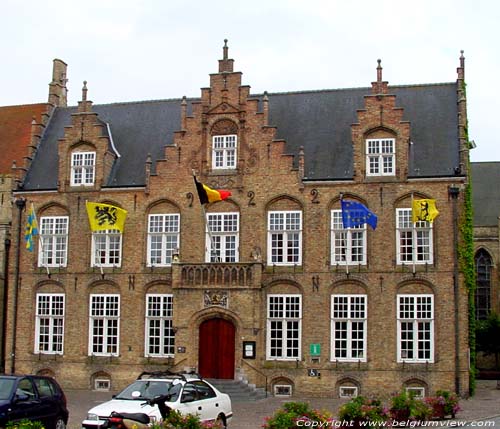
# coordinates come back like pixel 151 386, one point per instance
pixel 381 157
pixel 355 307
pixel 49 323
pixel 419 235
pixel 286 387
pixel 104 315
pixel 289 233
pixel 345 240
pixel 284 310
pixel 53 243
pixel 105 242
pixel 159 325
pixel 418 392
pixel 344 388
pixel 409 323
pixel 224 236
pixel 83 168
pixel 163 238
pixel 224 152
pixel 102 384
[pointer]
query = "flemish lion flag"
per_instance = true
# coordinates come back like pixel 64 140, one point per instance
pixel 424 210
pixel 31 229
pixel 209 195
pixel 105 216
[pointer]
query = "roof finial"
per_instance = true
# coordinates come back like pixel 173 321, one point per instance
pixel 379 71
pixel 462 59
pixel 84 91
pixel 225 49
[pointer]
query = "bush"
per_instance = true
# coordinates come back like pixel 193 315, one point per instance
pixel 443 404
pixel 25 424
pixel 176 420
pixel 363 409
pixel 404 406
pixel 293 412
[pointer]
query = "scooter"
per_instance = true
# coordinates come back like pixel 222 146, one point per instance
pixel 138 420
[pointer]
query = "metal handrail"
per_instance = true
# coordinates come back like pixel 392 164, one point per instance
pixel 258 371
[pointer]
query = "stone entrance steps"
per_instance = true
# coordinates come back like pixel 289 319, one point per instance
pixel 238 390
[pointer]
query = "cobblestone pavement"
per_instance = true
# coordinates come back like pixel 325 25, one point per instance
pixel 250 415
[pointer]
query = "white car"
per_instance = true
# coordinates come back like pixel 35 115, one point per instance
pixel 187 393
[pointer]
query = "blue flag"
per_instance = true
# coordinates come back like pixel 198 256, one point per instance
pixel 356 214
pixel 31 229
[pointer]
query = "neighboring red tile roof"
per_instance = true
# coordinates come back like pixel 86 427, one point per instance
pixel 15 133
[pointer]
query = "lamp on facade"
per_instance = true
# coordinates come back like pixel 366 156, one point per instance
pixel 175 256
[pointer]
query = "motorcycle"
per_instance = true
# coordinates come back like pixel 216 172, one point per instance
pixel 138 420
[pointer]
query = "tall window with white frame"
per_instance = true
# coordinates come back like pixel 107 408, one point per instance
pixel 348 325
pixel 284 238
pixel 415 328
pixel 284 327
pixel 222 237
pixel 53 243
pixel 104 326
pixel 163 238
pixel 380 157
pixel 82 168
pixel 348 244
pixel 49 338
pixel 106 248
pixel 224 149
pixel 160 337
pixel 414 241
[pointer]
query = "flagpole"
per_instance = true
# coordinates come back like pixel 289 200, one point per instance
pixel 40 239
pixel 210 236
pixel 414 236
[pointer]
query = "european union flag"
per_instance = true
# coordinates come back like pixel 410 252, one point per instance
pixel 356 214
pixel 31 229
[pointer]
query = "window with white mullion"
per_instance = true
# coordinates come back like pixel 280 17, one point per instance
pixel 380 157
pixel 284 327
pixel 224 151
pixel 163 238
pixel 160 338
pixel 49 324
pixel 348 244
pixel 284 238
pixel 348 326
pixel 82 168
pixel 104 326
pixel 415 328
pixel 106 248
pixel 222 237
pixel 53 243
pixel 414 241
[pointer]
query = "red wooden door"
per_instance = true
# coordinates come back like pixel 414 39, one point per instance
pixel 216 355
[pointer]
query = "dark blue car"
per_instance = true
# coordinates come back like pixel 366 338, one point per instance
pixel 32 397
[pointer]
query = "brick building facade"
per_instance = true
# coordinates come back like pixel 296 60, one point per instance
pixel 280 293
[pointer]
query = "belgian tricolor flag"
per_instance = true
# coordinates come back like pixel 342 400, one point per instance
pixel 209 195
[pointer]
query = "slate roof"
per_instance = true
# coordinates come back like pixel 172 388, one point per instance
pixel 485 193
pixel 318 120
pixel 15 133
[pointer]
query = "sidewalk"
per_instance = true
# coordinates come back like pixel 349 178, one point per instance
pixel 251 415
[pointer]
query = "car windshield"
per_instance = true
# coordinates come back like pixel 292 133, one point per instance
pixel 148 389
pixel 6 387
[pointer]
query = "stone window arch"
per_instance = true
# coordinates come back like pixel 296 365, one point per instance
pixel 484 265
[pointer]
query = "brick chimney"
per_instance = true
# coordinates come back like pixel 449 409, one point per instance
pixel 57 88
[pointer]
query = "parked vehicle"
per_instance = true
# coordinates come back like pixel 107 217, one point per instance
pixel 32 397
pixel 138 420
pixel 186 393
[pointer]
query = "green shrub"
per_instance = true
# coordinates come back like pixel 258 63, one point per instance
pixel 292 413
pixel 25 424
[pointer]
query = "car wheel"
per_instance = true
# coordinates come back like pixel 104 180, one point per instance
pixel 221 420
pixel 59 423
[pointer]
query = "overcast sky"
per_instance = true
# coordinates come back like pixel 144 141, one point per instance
pixel 130 50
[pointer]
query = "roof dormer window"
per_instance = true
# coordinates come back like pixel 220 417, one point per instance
pixel 82 168
pixel 380 157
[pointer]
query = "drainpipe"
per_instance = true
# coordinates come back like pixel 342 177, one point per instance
pixel 7 243
pixel 453 192
pixel 20 203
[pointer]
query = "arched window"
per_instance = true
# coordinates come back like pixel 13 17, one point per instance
pixel 483 284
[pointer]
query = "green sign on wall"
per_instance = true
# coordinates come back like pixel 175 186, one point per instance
pixel 315 349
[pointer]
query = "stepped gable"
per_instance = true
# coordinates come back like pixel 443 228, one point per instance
pixel 320 121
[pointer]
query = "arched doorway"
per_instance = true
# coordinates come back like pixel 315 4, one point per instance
pixel 216 351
